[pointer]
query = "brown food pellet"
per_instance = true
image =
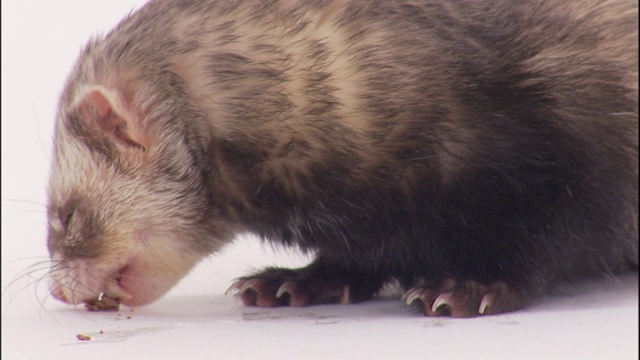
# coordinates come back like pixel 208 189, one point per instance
pixel 105 304
pixel 82 337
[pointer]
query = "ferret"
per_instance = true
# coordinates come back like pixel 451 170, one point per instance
pixel 477 153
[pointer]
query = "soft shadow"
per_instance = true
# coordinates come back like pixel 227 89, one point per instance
pixel 222 307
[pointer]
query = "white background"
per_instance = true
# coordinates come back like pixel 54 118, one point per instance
pixel 40 41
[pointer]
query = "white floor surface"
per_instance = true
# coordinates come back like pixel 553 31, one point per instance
pixel 40 40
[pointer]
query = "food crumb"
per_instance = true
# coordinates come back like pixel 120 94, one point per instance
pixel 101 331
pixel 103 303
pixel 82 337
pixel 128 317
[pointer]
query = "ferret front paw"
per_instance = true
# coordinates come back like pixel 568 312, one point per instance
pixel 464 298
pixel 283 287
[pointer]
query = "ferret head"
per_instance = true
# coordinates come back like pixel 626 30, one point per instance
pixel 130 204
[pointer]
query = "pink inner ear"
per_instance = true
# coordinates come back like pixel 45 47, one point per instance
pixel 96 108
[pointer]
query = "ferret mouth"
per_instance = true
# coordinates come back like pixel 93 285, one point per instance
pixel 113 288
pixel 112 296
pixel 76 285
pixel 133 282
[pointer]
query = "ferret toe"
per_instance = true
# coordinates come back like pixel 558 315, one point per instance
pixel 464 299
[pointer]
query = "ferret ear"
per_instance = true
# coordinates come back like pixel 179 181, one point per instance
pixel 103 111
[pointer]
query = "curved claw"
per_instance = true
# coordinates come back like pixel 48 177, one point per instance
pixel 249 284
pixel 412 295
pixel 242 285
pixel 486 302
pixel 345 297
pixel 234 288
pixel 443 299
pixel 287 287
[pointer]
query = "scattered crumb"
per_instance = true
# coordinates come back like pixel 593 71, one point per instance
pixel 128 317
pixel 101 331
pixel 82 337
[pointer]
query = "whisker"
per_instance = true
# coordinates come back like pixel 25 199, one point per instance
pixel 43 308
pixel 37 295
pixel 46 150
pixel 73 287
pixel 27 272
pixel 28 258
pixel 24 212
pixel 27 202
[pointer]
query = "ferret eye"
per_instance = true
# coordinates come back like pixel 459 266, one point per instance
pixel 66 218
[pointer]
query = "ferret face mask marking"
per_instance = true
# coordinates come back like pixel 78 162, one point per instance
pixel 118 223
